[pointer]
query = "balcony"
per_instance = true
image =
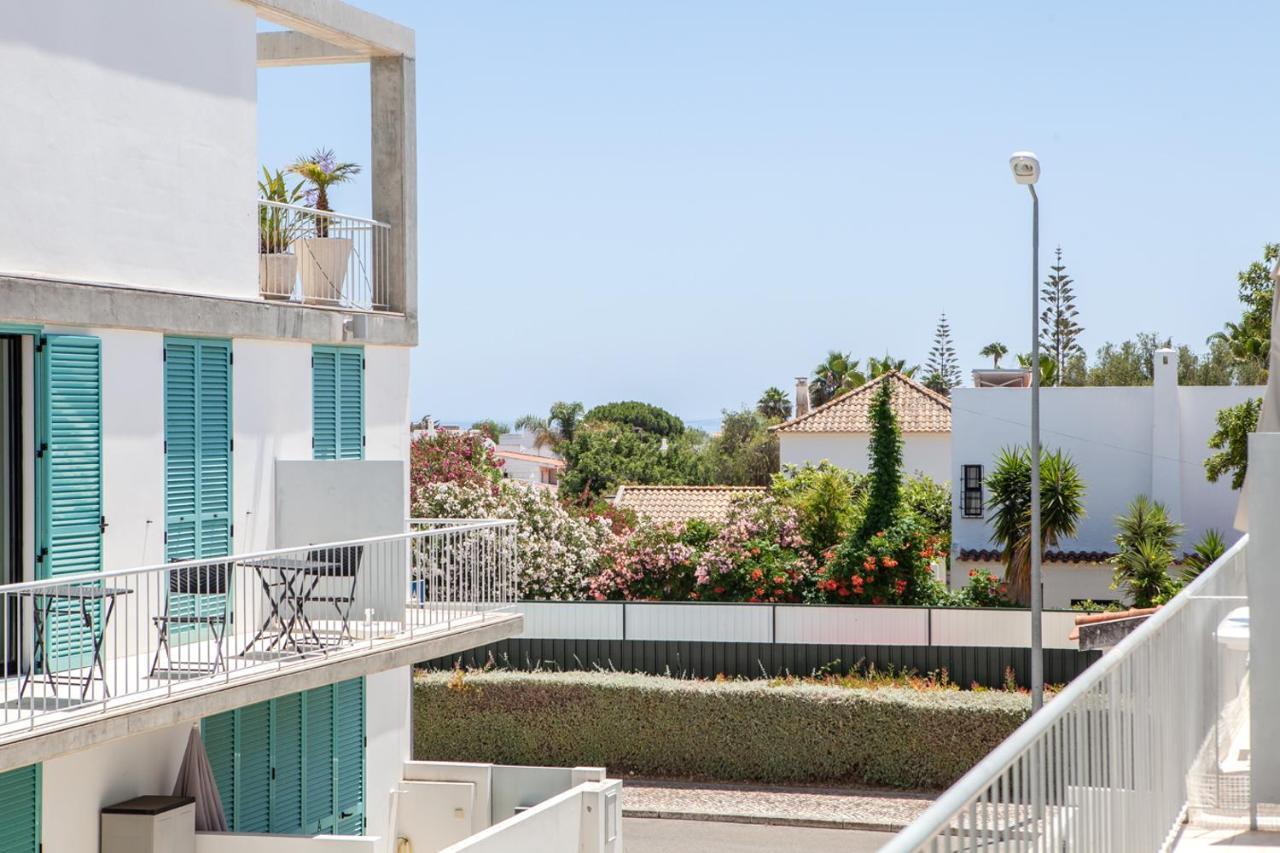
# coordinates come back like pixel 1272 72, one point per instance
pixel 322 258
pixel 188 639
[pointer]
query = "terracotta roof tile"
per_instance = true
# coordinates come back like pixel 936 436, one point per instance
pixel 993 555
pixel 681 503
pixel 918 409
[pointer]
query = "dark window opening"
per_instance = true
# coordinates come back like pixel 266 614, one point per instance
pixel 971 496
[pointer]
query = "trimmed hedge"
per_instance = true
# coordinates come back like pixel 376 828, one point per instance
pixel 739 731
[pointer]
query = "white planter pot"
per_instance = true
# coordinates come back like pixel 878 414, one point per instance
pixel 322 264
pixel 277 274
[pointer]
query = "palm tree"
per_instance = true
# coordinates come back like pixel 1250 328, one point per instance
pixel 1061 507
pixel 1245 344
pixel 1203 554
pixel 994 351
pixel 1048 368
pixel 322 170
pixel 555 429
pixel 880 366
pixel 1145 539
pixel 837 374
pixel 774 404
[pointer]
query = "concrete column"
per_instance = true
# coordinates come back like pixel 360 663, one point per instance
pixel 1263 572
pixel 1166 433
pixel 395 175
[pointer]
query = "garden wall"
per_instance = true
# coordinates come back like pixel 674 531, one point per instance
pixel 745 731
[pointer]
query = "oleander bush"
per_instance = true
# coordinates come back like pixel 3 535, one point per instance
pixel 723 731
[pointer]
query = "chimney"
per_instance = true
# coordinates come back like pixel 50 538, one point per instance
pixel 1166 432
pixel 802 396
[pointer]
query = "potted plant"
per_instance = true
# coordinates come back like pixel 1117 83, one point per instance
pixel 322 258
pixel 278 227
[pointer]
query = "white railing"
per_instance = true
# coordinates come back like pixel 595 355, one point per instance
pixel 322 258
pixel 1124 753
pixel 92 643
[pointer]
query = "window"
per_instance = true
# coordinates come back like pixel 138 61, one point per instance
pixel 971 497
pixel 292 765
pixel 337 402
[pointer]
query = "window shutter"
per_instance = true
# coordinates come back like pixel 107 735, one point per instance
pixel 253 774
pixel 181 441
pixel 70 477
pixel 219 735
pixel 337 392
pixel 349 755
pixel 215 448
pixel 20 810
pixel 317 797
pixel 286 752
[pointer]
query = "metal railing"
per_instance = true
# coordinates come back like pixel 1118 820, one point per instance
pixel 322 258
pixel 92 643
pixel 1119 758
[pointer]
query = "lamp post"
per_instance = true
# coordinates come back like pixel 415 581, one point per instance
pixel 1026 170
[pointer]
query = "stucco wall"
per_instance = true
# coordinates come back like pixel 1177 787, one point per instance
pixel 134 123
pixel 1063 584
pixel 928 453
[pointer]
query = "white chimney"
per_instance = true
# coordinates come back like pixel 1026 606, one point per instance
pixel 802 396
pixel 1166 432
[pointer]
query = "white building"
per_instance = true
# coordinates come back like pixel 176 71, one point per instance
pixel 183 418
pixel 523 460
pixel 1126 441
pixel 839 430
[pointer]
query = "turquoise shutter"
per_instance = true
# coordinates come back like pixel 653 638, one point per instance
pixel 219 735
pixel 181 439
pixel 69 465
pixel 215 448
pixel 337 402
pixel 286 752
pixel 20 810
pixel 349 756
pixel 317 791
pixel 253 768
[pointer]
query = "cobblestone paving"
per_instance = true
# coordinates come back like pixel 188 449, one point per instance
pixel 848 808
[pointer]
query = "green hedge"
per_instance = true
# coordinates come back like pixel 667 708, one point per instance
pixel 742 731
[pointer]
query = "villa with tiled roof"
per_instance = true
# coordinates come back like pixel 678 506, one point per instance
pixel 681 503
pixel 840 429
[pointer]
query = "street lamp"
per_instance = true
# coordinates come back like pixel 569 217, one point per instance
pixel 1026 170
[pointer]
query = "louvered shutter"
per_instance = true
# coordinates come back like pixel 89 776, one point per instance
pixel 69 466
pixel 337 407
pixel 286 752
pixel 219 735
pixel 253 768
pixel 181 456
pixel 317 791
pixel 20 810
pixel 215 448
pixel 349 756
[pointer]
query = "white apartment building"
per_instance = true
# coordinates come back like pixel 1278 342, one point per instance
pixel 189 407
pixel 1149 440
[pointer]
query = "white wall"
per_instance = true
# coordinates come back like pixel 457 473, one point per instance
pixel 135 126
pixel 386 407
pixel 1108 432
pixel 924 452
pixel 77 786
pixel 388 729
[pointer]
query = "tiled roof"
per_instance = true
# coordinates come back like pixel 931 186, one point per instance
pixel 993 555
pixel 918 409
pixel 544 461
pixel 681 503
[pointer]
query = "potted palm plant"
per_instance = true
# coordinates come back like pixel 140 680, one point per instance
pixel 278 227
pixel 322 257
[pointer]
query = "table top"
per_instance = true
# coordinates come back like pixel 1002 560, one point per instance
pixel 78 591
pixel 295 564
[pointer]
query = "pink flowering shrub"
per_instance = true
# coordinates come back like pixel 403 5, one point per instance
pixel 759 555
pixel 653 562
pixel 451 457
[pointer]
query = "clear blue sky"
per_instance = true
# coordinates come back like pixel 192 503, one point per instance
pixel 684 203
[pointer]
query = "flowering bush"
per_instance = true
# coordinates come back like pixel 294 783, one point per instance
pixel 890 567
pixel 983 590
pixel 557 552
pixel 652 562
pixel 759 555
pixel 450 457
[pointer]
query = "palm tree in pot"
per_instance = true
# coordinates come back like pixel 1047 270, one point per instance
pixel 323 258
pixel 278 227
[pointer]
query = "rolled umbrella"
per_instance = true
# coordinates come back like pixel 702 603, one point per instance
pixel 195 779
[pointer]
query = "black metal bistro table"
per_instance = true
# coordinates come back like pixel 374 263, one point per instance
pixel 284 582
pixel 81 597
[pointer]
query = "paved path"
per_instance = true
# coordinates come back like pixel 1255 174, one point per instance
pixel 650 835
pixel 835 808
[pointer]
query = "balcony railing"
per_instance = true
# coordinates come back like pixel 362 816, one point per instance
pixel 94 643
pixel 1155 731
pixel 322 258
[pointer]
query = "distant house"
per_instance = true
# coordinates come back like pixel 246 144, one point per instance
pixel 681 503
pixel 840 429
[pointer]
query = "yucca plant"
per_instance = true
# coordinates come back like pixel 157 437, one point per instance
pixel 1061 508
pixel 322 170
pixel 1203 554
pixel 277 228
pixel 1145 541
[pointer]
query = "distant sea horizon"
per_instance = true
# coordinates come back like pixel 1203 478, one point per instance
pixel 709 425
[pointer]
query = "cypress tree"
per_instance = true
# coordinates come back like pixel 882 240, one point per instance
pixel 942 371
pixel 885 456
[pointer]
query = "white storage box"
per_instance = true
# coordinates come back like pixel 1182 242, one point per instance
pixel 152 824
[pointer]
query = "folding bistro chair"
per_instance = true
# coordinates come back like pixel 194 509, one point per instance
pixel 342 566
pixel 198 597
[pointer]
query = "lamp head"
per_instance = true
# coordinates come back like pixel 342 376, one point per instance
pixel 1025 166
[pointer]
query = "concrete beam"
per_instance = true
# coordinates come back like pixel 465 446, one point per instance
pixel 223 696
pixel 49 302
pixel 289 49
pixel 394 173
pixel 339 24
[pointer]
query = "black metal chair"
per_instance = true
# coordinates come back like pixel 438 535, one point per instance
pixel 198 597
pixel 345 568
